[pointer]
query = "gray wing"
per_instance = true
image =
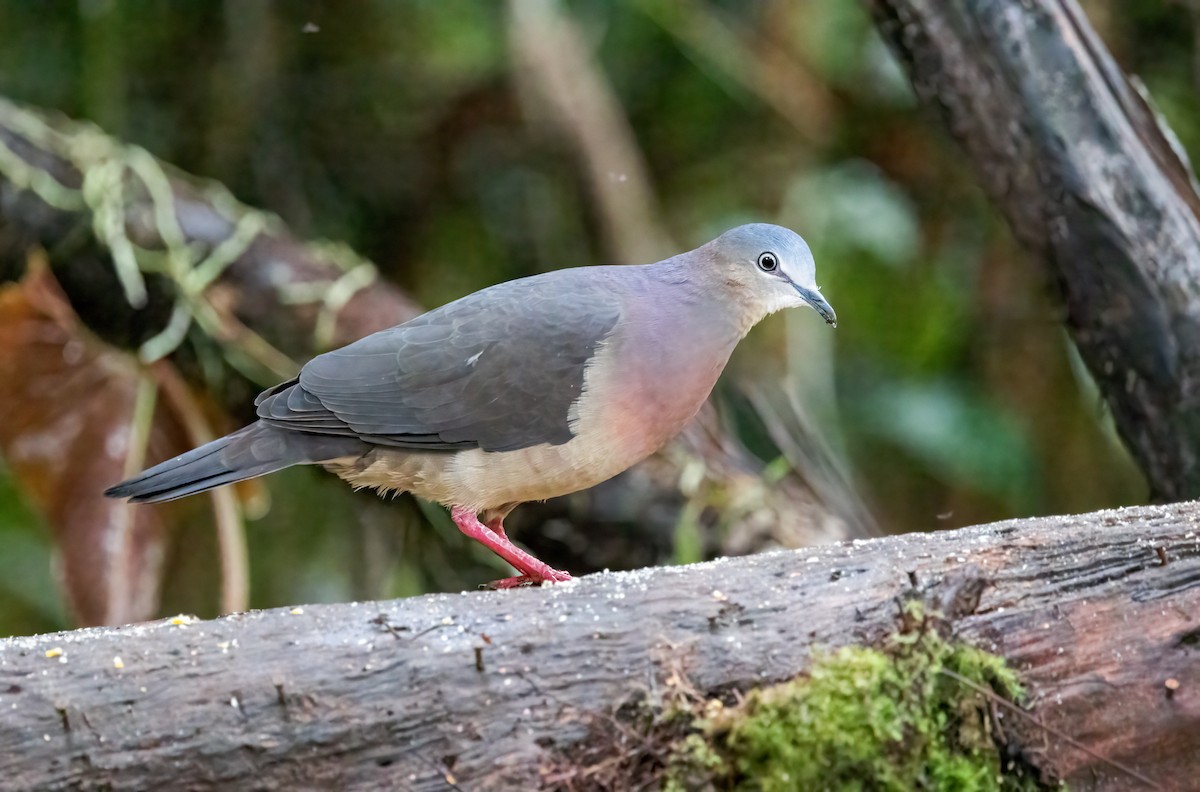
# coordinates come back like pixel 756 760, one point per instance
pixel 497 370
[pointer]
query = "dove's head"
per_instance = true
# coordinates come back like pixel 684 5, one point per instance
pixel 767 268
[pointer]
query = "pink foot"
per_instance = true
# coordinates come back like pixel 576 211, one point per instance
pixel 525 581
pixel 493 538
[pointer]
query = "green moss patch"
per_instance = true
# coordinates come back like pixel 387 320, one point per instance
pixel 898 717
pixel 895 718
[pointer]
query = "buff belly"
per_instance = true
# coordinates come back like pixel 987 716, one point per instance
pixel 485 480
pixel 620 420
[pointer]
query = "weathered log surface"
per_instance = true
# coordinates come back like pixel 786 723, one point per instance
pixel 390 695
pixel 1092 185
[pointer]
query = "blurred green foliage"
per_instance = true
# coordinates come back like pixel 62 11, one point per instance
pixel 28 599
pixel 397 127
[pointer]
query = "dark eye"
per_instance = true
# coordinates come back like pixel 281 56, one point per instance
pixel 767 262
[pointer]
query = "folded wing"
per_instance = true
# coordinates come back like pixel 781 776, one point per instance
pixel 497 370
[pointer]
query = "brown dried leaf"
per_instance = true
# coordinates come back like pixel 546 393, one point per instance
pixel 67 401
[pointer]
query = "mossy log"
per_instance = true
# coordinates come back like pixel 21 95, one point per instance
pixel 273 283
pixel 1099 614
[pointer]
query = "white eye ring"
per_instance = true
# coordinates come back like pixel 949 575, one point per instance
pixel 767 262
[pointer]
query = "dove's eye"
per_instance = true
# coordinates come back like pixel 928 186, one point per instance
pixel 767 262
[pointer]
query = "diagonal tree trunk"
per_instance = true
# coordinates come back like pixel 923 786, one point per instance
pixel 1093 184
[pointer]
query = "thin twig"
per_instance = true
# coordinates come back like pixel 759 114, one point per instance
pixel 563 84
pixel 999 700
pixel 227 515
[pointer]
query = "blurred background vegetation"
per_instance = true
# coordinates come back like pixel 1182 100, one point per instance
pixel 409 131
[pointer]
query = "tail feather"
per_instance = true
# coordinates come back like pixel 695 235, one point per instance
pixel 256 450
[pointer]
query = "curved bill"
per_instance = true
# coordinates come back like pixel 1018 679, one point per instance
pixel 818 302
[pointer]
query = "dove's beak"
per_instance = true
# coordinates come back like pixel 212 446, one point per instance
pixel 819 304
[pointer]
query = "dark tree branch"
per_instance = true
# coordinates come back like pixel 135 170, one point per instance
pixel 254 288
pixel 1092 184
pixel 488 687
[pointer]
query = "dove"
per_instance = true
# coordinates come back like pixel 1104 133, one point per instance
pixel 522 391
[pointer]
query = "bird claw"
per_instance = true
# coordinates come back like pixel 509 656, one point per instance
pixel 527 581
pixel 520 581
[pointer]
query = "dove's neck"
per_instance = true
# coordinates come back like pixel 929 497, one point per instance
pixel 675 340
pixel 699 300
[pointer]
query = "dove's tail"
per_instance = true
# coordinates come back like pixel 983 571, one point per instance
pixel 253 451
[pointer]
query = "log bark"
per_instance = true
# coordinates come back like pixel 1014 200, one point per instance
pixel 483 689
pixel 1093 184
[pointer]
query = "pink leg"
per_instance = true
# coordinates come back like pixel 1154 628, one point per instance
pixel 496 524
pixel 493 538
